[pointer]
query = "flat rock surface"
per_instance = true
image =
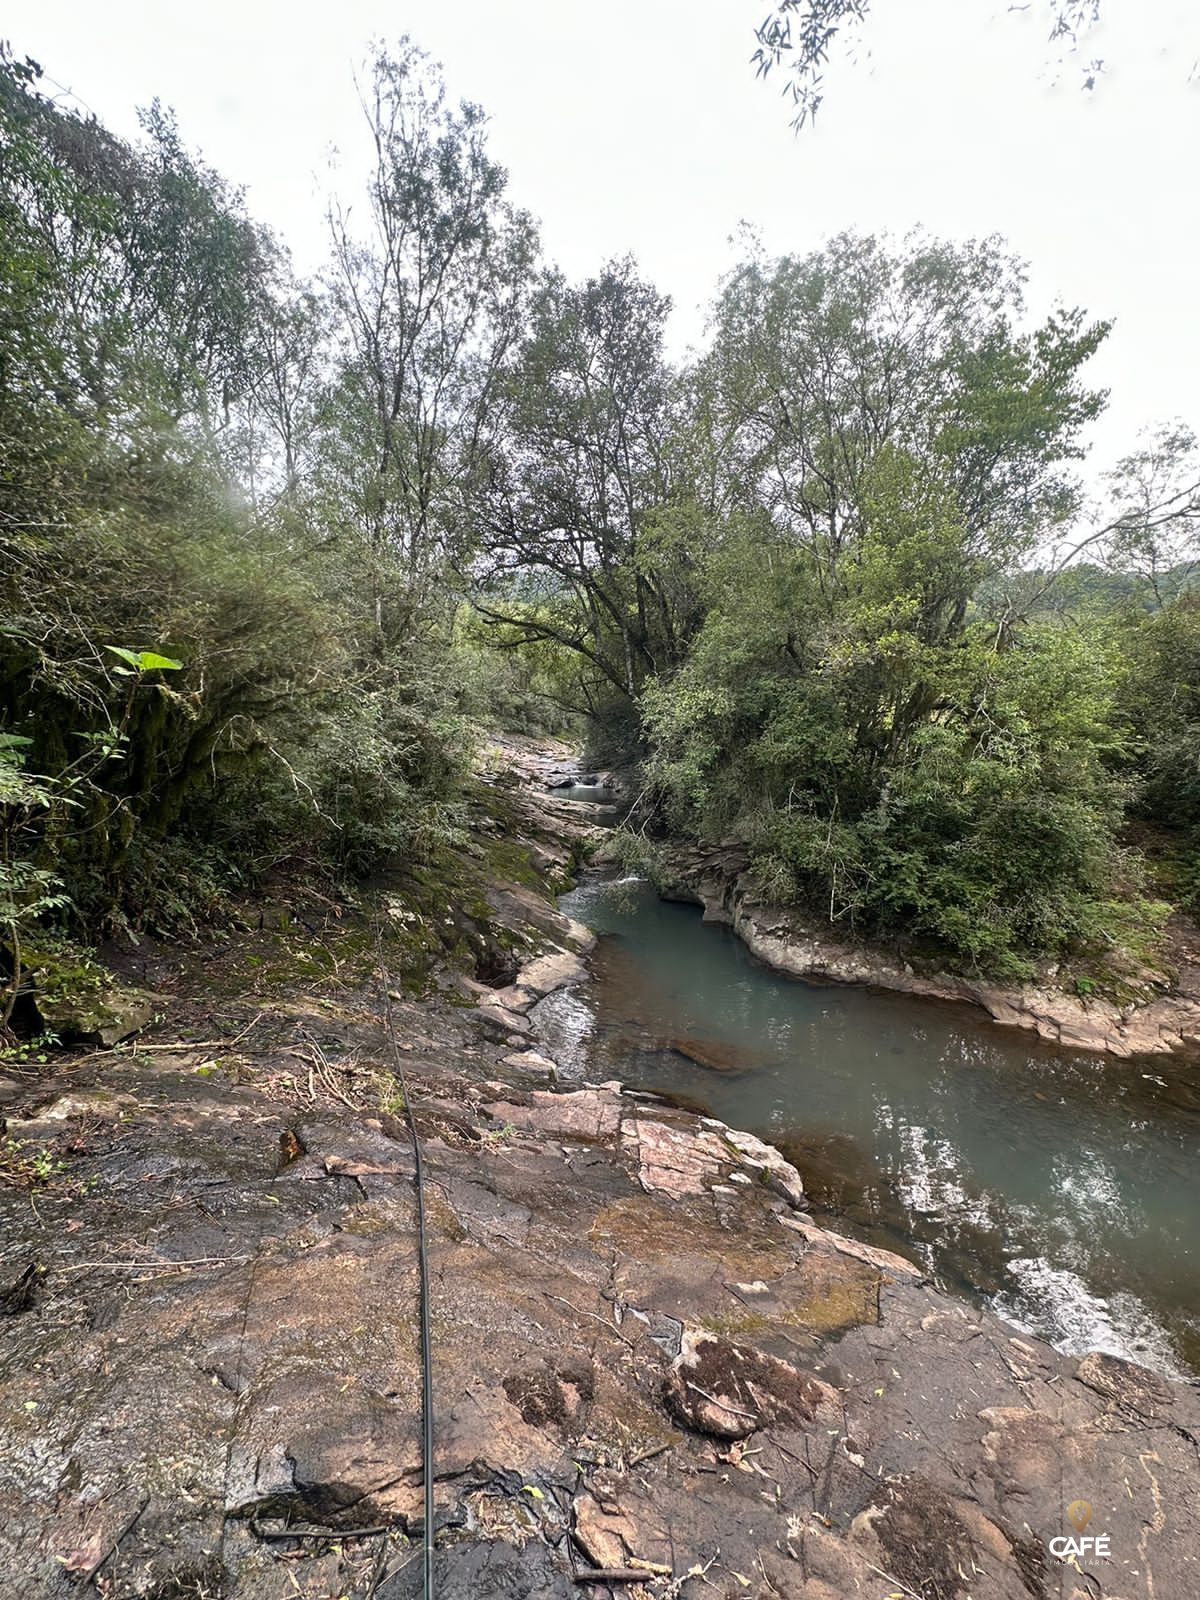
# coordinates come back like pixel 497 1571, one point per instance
pixel 646 1358
pixel 634 1359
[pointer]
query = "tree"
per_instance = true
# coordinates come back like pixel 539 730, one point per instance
pixel 896 760
pixel 142 261
pixel 1155 535
pixel 579 481
pixel 286 370
pixel 428 297
pixel 820 363
pixel 183 621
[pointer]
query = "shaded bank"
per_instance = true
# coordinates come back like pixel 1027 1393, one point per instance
pixel 718 880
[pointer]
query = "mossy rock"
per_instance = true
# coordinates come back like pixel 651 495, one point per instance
pixel 82 1003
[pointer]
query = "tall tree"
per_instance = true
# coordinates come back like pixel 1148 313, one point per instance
pixel 428 292
pixel 579 476
pixel 819 364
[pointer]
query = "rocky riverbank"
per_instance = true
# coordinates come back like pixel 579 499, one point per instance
pixel 655 1373
pixel 717 878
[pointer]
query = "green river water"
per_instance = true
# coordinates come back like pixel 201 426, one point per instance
pixel 1063 1189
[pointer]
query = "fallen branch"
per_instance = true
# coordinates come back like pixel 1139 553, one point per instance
pixel 752 1416
pixel 623 1574
pixel 580 1312
pixel 153 1266
pixel 321 1070
pixel 183 1048
pixel 260 1532
pixel 126 1528
pixel 891 1578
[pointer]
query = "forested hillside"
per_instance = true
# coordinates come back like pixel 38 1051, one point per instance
pixel 273 553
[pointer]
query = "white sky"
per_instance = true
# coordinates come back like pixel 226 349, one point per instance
pixel 638 125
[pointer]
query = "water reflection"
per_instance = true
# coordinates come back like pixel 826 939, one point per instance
pixel 1062 1188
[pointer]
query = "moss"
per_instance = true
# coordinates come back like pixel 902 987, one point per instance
pixel 446 1222
pixel 365 1222
pixel 63 971
pixel 623 1426
pixel 829 1304
pixel 76 998
pixel 508 859
pixel 822 1293
pixel 641 1228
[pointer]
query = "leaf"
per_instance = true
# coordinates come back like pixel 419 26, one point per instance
pixel 128 656
pixel 142 661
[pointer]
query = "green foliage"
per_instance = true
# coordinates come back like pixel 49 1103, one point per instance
pixel 1162 694
pixel 512 681
pixel 572 512
pixel 900 763
pixel 217 651
pixel 142 661
pixel 948 793
pixel 269 552
pixel 28 891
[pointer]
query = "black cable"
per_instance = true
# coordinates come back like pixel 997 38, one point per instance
pixel 423 1262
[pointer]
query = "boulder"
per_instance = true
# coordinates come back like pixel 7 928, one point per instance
pixel 765 1160
pixel 541 977
pixel 102 1015
pixel 537 1065
pixel 712 1054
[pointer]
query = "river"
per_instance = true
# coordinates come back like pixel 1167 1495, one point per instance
pixel 1062 1189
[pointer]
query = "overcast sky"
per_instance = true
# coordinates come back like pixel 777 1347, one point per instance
pixel 637 125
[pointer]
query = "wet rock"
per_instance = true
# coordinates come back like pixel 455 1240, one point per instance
pixel 885 1260
pixel 776 1173
pixel 712 1054
pixel 489 1570
pixel 1128 1387
pixel 676 1161
pixel 501 1024
pixel 18 1294
pixel 730 1391
pixel 582 1114
pixel 559 970
pixel 527 912
pixel 534 1063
